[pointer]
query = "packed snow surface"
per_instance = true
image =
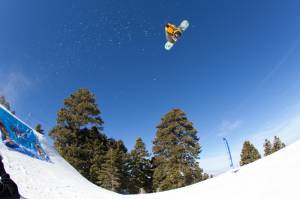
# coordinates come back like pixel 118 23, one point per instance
pixel 275 176
pixel 39 179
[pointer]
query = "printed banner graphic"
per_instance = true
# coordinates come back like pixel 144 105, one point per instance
pixel 20 137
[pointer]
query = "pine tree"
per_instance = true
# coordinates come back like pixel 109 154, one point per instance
pixel 176 150
pixel 99 144
pixel 90 154
pixel 112 175
pixel 205 176
pixel 267 147
pixel 125 169
pixel 4 102
pixel 71 133
pixel 140 166
pixel 39 129
pixel 277 144
pixel 80 111
pixel 249 153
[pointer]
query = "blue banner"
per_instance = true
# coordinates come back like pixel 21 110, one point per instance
pixel 20 137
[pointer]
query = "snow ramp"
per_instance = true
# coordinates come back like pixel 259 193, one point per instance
pixel 275 176
pixel 36 178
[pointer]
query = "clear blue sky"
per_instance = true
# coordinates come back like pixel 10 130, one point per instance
pixel 235 72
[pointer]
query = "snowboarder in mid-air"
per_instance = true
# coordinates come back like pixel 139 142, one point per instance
pixel 173 33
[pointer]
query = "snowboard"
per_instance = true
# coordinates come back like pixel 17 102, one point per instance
pixel 183 26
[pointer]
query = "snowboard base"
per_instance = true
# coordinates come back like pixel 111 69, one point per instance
pixel 184 25
pixel 169 45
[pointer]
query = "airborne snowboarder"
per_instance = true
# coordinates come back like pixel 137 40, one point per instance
pixel 173 33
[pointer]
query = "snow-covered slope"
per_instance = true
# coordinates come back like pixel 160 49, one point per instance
pixel 275 176
pixel 38 179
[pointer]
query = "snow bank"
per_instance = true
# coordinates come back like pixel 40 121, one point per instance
pixel 273 177
pixel 38 179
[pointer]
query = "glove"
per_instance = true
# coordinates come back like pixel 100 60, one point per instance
pixel 2 169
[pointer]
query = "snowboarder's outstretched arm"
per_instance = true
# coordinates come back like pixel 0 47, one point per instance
pixel 8 188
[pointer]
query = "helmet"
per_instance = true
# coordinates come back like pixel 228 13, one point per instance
pixel 170 28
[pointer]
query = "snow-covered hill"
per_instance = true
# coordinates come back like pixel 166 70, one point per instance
pixel 272 177
pixel 39 179
pixel 275 176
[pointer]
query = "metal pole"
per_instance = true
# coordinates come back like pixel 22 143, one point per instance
pixel 229 153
